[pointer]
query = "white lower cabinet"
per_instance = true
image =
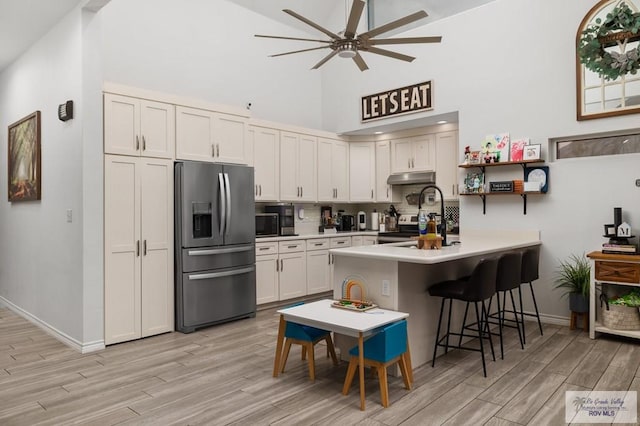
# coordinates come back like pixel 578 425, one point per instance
pixel 369 240
pixel 267 267
pixel 138 256
pixel 293 269
pixel 318 266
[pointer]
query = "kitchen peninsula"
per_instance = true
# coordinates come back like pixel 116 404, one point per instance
pixel 396 276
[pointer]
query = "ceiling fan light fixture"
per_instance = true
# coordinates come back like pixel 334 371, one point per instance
pixel 347 50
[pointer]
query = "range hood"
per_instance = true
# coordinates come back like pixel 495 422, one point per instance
pixel 410 178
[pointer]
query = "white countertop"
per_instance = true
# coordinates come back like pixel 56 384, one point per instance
pixel 316 235
pixel 473 243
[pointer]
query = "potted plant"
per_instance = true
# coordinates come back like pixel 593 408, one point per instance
pixel 574 277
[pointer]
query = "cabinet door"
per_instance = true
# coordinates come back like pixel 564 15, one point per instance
pixel 447 163
pixel 157 246
pixel 369 240
pixel 157 129
pixel 267 279
pixel 307 168
pixel 401 155
pixel 383 170
pixel 423 153
pixel 362 174
pixel 121 125
pixel 289 188
pixel 326 187
pixel 194 134
pixel 356 240
pixel 266 143
pixel 318 270
pixel 229 135
pixel 340 169
pixel 122 265
pixel 293 275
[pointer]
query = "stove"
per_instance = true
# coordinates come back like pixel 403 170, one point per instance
pixel 407 228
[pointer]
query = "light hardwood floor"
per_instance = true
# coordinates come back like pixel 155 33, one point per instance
pixel 222 375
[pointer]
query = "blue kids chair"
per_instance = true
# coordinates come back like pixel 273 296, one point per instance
pixel 381 350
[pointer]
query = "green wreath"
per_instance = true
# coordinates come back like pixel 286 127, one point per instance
pixel 611 65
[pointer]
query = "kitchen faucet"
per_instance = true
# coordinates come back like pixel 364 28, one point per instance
pixel 443 225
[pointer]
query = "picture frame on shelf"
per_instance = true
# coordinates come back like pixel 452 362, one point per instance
pixel 538 174
pixel 517 149
pixel 531 152
pixel 475 157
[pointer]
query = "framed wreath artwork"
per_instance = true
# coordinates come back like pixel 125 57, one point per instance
pixel 608 60
pixel 24 159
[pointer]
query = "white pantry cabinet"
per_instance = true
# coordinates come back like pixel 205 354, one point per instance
pixel 413 154
pixel 138 230
pixel 447 164
pixel 362 171
pixel 333 170
pixel 298 167
pixel 203 135
pixel 384 191
pixel 266 162
pixel 138 127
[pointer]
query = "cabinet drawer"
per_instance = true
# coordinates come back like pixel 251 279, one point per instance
pixel 291 246
pixel 266 248
pixel 618 272
pixel 341 242
pixel 318 244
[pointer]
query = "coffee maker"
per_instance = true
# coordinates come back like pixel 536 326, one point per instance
pixel 286 215
pixel 347 222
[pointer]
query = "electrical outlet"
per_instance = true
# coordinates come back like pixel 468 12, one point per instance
pixel 386 288
pixel 69 215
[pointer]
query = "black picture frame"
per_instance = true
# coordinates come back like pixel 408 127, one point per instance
pixel 536 172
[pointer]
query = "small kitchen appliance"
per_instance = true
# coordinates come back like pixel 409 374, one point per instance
pixel 267 224
pixel 362 221
pixel 347 222
pixel 286 217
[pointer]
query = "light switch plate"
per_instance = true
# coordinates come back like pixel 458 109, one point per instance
pixel 386 288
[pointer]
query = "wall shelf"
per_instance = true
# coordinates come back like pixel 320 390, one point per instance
pixel 483 195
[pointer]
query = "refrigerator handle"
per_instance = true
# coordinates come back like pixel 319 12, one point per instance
pixel 227 186
pixel 223 205
pixel 221 274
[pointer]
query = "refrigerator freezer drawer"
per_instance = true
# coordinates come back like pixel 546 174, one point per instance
pixel 212 297
pixel 205 259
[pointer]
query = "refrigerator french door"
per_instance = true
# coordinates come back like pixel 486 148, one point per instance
pixel 215 244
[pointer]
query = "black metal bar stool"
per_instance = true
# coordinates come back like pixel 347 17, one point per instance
pixel 507 279
pixel 478 287
pixel 530 262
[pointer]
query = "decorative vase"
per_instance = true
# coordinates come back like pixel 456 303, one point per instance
pixel 578 303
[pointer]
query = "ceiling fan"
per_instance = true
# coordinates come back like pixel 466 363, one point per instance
pixel 349 44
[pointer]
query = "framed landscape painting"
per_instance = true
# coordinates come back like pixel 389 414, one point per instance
pixel 24 159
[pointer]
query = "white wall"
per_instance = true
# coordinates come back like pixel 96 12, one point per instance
pixel 510 66
pixel 41 263
pixel 206 50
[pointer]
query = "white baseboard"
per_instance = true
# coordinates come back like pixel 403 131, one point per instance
pixel 54 332
pixel 554 319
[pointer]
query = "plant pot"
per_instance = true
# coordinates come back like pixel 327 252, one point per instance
pixel 578 303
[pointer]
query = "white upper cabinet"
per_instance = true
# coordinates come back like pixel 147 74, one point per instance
pixel 138 127
pixel 362 171
pixel 383 170
pixel 333 170
pixel 413 154
pixel 203 135
pixel 265 144
pixel 298 167
pixel 447 163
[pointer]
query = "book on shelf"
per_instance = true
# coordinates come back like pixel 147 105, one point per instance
pixel 619 248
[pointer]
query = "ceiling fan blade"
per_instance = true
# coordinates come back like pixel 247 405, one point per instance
pixel 360 62
pixel 299 51
pixel 389 53
pixel 311 23
pixel 354 18
pixel 405 40
pixel 395 24
pixel 292 38
pixel 325 59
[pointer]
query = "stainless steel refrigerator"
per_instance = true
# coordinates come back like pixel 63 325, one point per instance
pixel 215 244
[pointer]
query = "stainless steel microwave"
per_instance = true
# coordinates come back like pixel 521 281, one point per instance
pixel 267 224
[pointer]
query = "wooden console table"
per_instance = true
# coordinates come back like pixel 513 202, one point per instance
pixel 618 269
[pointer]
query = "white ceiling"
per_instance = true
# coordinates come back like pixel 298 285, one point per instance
pixel 23 22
